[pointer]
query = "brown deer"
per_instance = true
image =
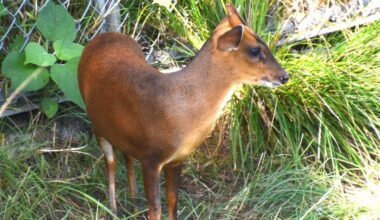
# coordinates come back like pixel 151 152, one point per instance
pixel 159 118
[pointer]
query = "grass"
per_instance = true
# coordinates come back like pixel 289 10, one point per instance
pixel 306 150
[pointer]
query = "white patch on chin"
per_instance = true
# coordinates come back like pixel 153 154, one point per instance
pixel 269 84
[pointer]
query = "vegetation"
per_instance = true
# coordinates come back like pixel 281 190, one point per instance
pixel 31 69
pixel 306 150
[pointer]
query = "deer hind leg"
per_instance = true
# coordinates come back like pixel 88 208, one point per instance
pixel 133 190
pixel 172 178
pixel 151 176
pixel 110 158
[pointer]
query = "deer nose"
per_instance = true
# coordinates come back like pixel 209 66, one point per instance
pixel 284 79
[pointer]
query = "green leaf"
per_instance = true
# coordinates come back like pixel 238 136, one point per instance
pixel 55 23
pixel 49 107
pixel 3 10
pixel 65 76
pixel 13 67
pixel 65 50
pixel 36 54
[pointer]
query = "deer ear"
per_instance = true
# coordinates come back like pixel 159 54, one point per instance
pixel 231 39
pixel 233 16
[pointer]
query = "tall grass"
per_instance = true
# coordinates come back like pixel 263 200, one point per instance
pixel 329 111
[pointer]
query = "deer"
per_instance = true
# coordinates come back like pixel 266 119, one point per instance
pixel 160 118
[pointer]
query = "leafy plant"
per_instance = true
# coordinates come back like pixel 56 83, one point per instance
pixel 66 50
pixel 55 23
pixel 49 107
pixel 36 54
pixel 31 69
pixel 65 76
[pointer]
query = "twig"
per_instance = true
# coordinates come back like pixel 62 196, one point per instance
pixel 70 150
pixel 327 30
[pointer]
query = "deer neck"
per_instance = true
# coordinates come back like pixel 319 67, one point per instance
pixel 211 81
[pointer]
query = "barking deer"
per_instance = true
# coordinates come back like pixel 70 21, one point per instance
pixel 158 119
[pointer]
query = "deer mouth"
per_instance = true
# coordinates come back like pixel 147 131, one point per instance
pixel 274 83
pixel 270 84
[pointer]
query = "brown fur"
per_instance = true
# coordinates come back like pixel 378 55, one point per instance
pixel 158 118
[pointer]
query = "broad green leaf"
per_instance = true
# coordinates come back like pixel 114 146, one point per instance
pixel 65 50
pixel 37 55
pixel 49 107
pixel 65 76
pixel 13 67
pixel 55 23
pixel 3 10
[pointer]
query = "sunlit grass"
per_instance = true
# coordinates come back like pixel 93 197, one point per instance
pixel 329 111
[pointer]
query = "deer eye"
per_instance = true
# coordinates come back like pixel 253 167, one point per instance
pixel 254 52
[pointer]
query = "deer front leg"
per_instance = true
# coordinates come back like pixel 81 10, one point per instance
pixel 151 176
pixel 172 178
pixel 133 190
pixel 110 158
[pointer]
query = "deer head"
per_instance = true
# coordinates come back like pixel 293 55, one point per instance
pixel 246 54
